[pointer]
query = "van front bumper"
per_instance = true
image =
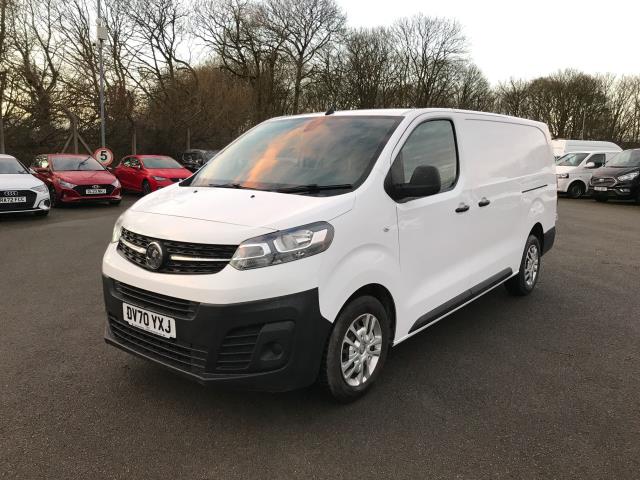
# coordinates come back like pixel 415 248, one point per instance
pixel 274 344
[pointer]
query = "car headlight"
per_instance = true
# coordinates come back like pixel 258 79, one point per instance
pixel 40 188
pixel 628 176
pixel 117 229
pixel 65 184
pixel 116 183
pixel 159 179
pixel 562 175
pixel 283 246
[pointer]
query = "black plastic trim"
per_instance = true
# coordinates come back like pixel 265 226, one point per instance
pixel 461 299
pixel 549 240
pixel 534 188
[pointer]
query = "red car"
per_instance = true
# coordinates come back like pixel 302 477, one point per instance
pixel 148 173
pixel 73 178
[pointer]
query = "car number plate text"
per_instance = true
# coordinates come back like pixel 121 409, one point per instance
pixel 96 191
pixel 149 321
pixel 13 199
pixel 600 189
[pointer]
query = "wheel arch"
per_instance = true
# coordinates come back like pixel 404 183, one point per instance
pixel 538 232
pixel 383 295
pixel 578 180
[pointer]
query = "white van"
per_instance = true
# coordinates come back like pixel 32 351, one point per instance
pixel 314 243
pixel 562 147
pixel 574 170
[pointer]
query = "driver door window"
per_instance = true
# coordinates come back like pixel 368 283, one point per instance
pixel 430 144
pixel 598 159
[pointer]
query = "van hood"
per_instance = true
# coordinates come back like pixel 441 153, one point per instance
pixel 86 177
pixel 614 171
pixel 18 181
pixel 252 208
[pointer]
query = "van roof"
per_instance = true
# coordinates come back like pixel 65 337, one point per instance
pixel 403 112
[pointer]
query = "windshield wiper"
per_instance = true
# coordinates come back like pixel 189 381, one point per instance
pixel 314 187
pixel 227 185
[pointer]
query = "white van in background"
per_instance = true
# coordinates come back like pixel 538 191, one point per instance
pixel 314 243
pixel 574 170
pixel 562 147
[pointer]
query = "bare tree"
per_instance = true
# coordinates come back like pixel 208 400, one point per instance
pixel 307 27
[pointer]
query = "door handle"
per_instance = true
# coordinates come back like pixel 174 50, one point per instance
pixel 463 207
pixel 484 201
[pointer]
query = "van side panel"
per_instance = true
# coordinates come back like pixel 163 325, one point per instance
pixel 511 166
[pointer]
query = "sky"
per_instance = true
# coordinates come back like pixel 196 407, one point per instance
pixel 527 39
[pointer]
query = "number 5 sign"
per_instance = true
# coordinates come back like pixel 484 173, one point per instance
pixel 104 156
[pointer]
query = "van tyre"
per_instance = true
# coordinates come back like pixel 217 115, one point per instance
pixel 576 190
pixel 525 281
pixel 356 350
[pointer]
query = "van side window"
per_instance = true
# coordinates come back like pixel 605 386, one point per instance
pixel 598 159
pixel 433 144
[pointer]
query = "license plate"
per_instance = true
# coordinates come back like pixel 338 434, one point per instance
pixel 600 189
pixel 13 200
pixel 149 321
pixel 96 191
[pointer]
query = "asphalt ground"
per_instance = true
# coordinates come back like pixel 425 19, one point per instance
pixel 546 386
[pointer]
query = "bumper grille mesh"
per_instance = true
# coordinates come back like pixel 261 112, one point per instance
pixel 169 306
pixel 237 349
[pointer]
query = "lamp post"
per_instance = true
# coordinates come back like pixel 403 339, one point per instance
pixel 3 76
pixel 101 36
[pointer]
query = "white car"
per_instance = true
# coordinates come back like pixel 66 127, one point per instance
pixel 314 243
pixel 20 191
pixel 574 170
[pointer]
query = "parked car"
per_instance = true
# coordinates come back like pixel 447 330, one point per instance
pixel 562 147
pixel 148 173
pixel 618 179
pixel 20 191
pixel 76 178
pixel 574 170
pixel 314 243
pixel 196 158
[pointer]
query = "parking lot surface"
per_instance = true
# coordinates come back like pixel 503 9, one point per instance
pixel 546 386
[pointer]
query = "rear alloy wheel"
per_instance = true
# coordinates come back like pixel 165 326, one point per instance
pixel 356 349
pixel 527 278
pixel 576 190
pixel 146 188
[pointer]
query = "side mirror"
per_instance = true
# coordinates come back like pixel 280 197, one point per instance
pixel 590 165
pixel 425 181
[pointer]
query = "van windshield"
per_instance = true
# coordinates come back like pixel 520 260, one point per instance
pixel 571 159
pixel 302 155
pixel 628 158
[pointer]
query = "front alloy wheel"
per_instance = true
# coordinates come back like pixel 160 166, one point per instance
pixel 356 349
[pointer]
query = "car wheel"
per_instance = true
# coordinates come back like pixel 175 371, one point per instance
pixel 146 188
pixel 525 281
pixel 576 190
pixel 356 350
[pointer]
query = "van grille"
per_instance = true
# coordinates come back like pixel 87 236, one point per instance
pixel 236 350
pixel 194 258
pixel 183 355
pixel 169 306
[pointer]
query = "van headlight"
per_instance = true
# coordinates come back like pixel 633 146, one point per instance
pixel 628 176
pixel 283 246
pixel 117 229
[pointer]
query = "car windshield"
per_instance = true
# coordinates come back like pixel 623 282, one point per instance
pixel 68 164
pixel 160 162
pixel 318 152
pixel 571 159
pixel 628 158
pixel 10 166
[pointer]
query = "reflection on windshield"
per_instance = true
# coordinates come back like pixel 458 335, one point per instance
pixel 319 151
pixel 75 163
pixel 628 158
pixel 11 166
pixel 571 159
